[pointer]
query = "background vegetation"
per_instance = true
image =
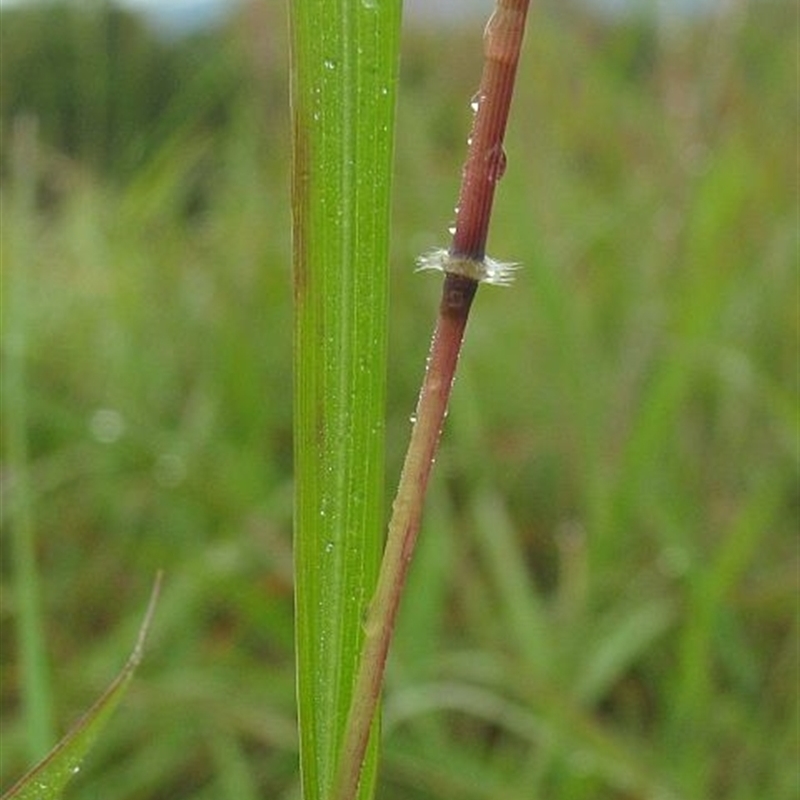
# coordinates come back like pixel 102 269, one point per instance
pixel 604 602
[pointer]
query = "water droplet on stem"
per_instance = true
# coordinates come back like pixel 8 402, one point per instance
pixel 496 158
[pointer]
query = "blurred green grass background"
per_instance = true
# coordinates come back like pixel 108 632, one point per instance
pixel 604 604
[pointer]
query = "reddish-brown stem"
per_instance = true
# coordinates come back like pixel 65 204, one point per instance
pixel 485 165
pixel 483 169
pixel 457 295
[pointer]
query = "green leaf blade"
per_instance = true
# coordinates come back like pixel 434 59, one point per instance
pixel 47 780
pixel 345 57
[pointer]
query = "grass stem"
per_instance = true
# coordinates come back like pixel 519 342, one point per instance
pixel 486 161
pixel 465 267
pixel 34 671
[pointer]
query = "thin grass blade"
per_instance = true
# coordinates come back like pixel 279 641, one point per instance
pixel 46 781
